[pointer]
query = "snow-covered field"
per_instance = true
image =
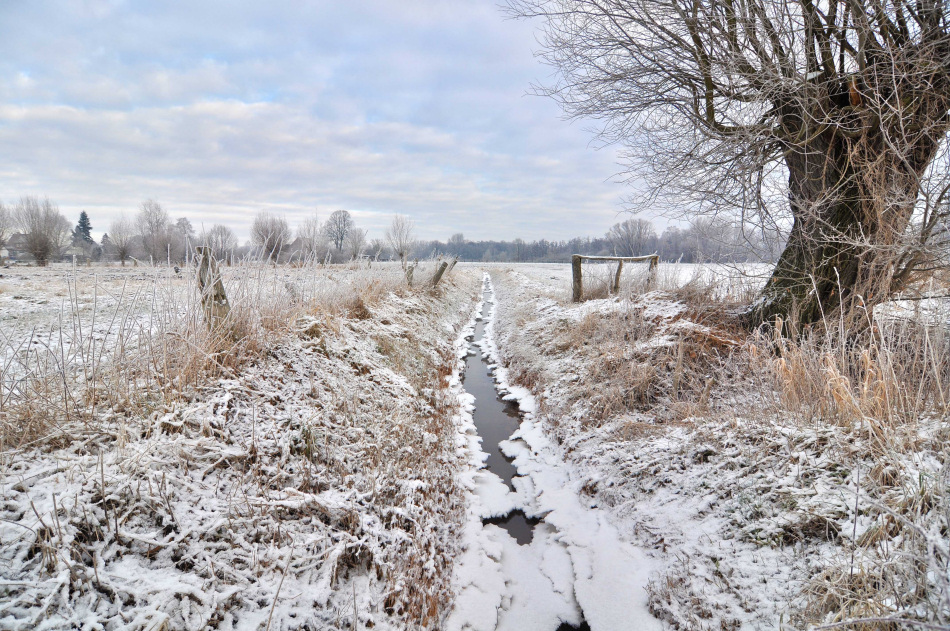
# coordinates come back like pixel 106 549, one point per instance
pixel 321 469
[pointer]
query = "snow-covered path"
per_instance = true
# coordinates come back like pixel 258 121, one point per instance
pixel 577 567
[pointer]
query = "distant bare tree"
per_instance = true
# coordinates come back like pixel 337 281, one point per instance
pixel 313 242
pixel 356 242
pixel 47 230
pixel 155 227
pixel 376 249
pixel 400 237
pixel 222 242
pixel 270 233
pixel 456 243
pixel 337 227
pixel 520 249
pixel 122 236
pixel 183 238
pixel 6 225
pixel 633 237
pixel 184 227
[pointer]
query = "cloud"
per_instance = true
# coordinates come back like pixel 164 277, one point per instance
pixel 220 109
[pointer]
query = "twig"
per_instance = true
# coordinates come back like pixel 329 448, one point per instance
pixel 279 585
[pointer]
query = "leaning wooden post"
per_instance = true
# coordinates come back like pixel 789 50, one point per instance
pixel 438 274
pixel 452 264
pixel 654 264
pixel 617 277
pixel 213 299
pixel 578 285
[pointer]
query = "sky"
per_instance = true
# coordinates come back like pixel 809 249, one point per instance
pixel 221 109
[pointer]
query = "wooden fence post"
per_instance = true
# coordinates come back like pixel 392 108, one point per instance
pixel 654 264
pixel 452 264
pixel 213 299
pixel 617 277
pixel 578 284
pixel 409 270
pixel 438 274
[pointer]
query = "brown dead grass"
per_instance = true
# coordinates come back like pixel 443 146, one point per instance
pixel 879 400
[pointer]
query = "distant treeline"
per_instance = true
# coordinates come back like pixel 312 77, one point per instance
pixel 704 241
pixel 35 230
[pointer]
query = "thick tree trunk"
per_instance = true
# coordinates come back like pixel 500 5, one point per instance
pixel 852 200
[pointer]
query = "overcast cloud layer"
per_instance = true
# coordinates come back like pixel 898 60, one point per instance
pixel 220 109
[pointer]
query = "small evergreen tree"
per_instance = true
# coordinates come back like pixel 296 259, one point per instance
pixel 82 234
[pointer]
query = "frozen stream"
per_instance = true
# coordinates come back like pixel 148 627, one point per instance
pixel 536 557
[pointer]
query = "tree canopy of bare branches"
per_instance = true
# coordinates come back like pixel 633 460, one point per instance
pixel 337 227
pixel 400 238
pixel 375 249
pixel 826 118
pixel 270 233
pixel 356 242
pixel 155 228
pixel 122 237
pixel 6 224
pixel 47 231
pixel 633 237
pixel 222 242
pixel 313 242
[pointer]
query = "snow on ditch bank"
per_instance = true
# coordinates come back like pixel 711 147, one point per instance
pixel 314 490
pixel 576 568
pixel 759 516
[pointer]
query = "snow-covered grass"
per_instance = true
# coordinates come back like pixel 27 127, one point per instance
pixel 300 475
pixel 317 468
pixel 77 344
pixel 779 484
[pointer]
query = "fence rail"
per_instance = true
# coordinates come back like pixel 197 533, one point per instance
pixel 578 259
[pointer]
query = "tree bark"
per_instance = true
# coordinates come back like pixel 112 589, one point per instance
pixel 852 199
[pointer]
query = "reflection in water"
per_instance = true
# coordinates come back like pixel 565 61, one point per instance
pixel 496 420
pixel 518 525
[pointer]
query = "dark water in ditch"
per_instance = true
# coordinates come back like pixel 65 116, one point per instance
pixel 496 420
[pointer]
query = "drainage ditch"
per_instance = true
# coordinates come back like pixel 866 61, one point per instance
pixel 496 420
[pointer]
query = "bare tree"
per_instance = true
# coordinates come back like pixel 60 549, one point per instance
pixel 183 238
pixel 270 233
pixel 222 242
pixel 122 236
pixel 47 230
pixel 826 118
pixel 633 237
pixel 456 244
pixel 337 227
pixel 376 249
pixel 155 227
pixel 520 249
pixel 313 241
pixel 356 242
pixel 400 237
pixel 6 225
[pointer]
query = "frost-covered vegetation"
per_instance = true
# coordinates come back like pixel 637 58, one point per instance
pixel 779 482
pixel 300 474
pixel 317 467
